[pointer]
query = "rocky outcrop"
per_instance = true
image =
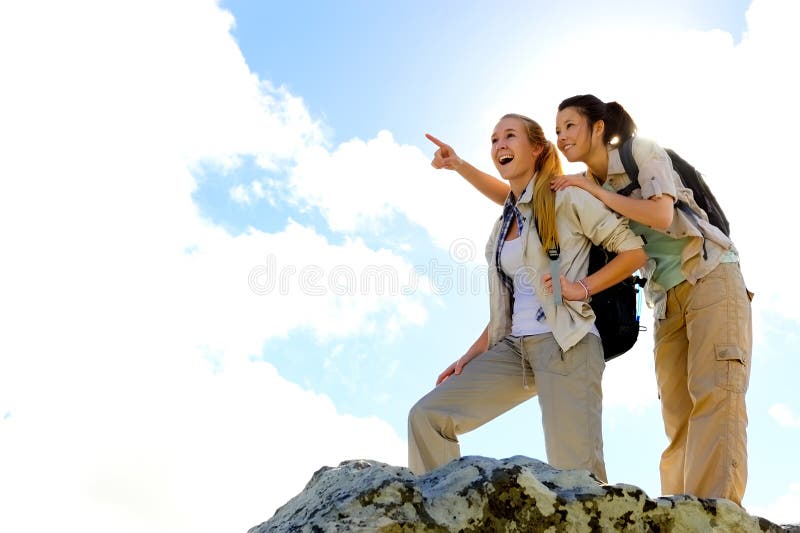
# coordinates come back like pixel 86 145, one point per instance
pixel 476 494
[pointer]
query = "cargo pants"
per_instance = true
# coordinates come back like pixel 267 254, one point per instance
pixel 514 370
pixel 702 361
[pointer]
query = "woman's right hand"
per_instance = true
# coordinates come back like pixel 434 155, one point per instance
pixel 445 156
pixel 559 183
pixel 455 368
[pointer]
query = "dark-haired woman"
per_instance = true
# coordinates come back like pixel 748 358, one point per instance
pixel 703 337
pixel 533 344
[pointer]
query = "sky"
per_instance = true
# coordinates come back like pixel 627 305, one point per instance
pixel 227 261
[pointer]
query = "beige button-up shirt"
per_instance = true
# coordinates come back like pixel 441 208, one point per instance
pixel 581 219
pixel 707 243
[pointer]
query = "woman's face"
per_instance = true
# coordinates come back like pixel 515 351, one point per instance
pixel 513 154
pixel 574 134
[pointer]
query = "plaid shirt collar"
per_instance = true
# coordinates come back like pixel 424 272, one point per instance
pixel 510 211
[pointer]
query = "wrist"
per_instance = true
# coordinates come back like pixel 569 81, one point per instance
pixel 601 193
pixel 586 289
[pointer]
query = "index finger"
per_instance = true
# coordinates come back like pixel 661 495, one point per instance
pixel 435 141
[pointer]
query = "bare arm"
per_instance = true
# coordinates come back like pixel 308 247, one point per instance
pixel 491 187
pixel 619 268
pixel 655 212
pixel 480 345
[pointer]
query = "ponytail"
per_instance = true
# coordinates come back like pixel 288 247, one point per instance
pixel 548 165
pixel 618 123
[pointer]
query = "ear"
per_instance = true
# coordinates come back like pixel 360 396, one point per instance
pixel 598 128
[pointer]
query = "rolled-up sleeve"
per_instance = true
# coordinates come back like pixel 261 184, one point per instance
pixel 655 169
pixel 603 227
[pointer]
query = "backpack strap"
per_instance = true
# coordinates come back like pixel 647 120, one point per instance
pixel 630 166
pixel 687 210
pixel 552 254
pixel 632 170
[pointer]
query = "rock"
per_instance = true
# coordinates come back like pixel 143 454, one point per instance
pixel 477 494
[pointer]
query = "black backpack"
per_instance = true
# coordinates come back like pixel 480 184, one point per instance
pixel 690 177
pixel 616 308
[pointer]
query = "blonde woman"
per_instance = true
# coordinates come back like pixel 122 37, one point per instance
pixel 533 344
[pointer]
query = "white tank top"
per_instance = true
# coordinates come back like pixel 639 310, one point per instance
pixel 527 317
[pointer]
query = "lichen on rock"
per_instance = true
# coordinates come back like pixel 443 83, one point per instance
pixel 478 494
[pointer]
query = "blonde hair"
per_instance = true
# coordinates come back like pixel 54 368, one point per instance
pixel 547 166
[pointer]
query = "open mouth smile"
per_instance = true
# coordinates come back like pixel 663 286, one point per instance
pixel 505 159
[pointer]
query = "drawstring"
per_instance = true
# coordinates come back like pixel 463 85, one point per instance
pixel 523 356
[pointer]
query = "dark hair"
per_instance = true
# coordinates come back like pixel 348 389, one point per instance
pixel 618 123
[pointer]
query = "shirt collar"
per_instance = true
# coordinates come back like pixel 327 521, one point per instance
pixel 525 198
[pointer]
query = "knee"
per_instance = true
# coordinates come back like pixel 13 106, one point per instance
pixel 427 414
pixel 419 412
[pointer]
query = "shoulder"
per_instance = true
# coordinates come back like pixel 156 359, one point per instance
pixel 577 198
pixel 645 148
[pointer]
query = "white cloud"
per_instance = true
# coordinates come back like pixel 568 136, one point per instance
pixel 224 453
pixel 333 289
pixel 783 510
pixel 126 398
pixel 258 189
pixel 248 194
pixel 240 194
pixel 361 185
pixel 619 390
pixel 784 416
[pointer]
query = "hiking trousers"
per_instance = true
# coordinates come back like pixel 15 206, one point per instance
pixel 702 360
pixel 515 369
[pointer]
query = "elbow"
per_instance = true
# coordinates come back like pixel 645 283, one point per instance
pixel 662 218
pixel 641 258
pixel 662 224
pixel 637 258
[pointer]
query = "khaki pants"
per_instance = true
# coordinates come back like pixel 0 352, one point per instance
pixel 702 359
pixel 570 396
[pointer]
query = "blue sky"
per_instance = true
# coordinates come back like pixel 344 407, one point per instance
pixel 229 262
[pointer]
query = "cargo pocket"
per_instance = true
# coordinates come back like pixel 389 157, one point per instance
pixel 731 373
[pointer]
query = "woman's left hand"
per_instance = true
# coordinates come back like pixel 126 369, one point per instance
pixel 572 291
